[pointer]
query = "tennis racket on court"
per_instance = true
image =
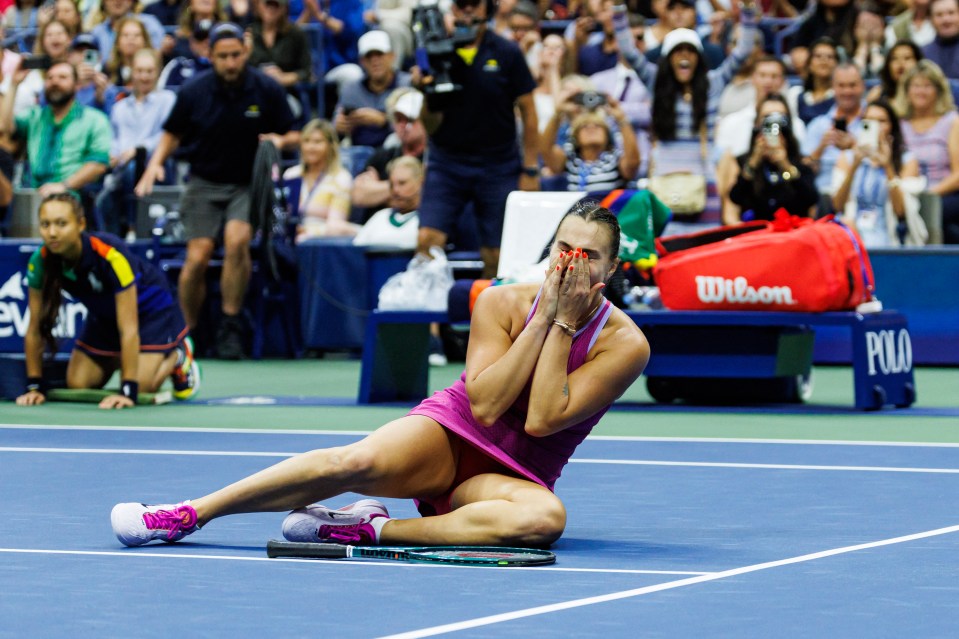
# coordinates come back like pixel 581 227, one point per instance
pixel 462 555
pixel 96 395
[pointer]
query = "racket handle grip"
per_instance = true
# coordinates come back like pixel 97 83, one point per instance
pixel 276 548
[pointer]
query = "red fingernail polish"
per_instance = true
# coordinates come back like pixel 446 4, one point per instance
pixel 571 267
pixel 557 267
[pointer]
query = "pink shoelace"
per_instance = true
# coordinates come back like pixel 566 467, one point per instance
pixel 352 532
pixel 182 518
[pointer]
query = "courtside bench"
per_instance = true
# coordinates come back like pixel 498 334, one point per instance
pixel 686 345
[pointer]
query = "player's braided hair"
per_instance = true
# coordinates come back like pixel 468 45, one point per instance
pixel 52 287
pixel 591 211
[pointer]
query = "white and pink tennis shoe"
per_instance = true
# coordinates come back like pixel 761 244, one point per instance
pixel 137 524
pixel 357 524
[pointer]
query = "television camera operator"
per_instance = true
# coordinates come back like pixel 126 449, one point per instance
pixel 475 82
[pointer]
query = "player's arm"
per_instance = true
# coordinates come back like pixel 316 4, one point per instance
pixel 128 327
pixel 557 400
pixel 33 352
pixel 497 367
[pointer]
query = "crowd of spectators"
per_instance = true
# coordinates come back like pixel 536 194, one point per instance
pixel 819 107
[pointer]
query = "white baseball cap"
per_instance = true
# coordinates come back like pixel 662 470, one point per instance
pixel 374 41
pixel 677 37
pixel 410 104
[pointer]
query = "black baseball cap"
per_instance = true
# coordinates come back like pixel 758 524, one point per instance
pixel 225 31
pixel 85 41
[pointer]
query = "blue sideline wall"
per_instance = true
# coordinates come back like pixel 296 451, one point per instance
pixel 924 285
pixel 921 283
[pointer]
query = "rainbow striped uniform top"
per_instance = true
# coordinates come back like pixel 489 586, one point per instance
pixel 105 268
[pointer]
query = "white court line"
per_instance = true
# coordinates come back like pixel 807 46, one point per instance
pixel 613 438
pixel 144 451
pixel 186 429
pixel 669 585
pixel 621 462
pixel 874 469
pixel 170 555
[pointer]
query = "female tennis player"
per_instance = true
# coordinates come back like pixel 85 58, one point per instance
pixel 133 321
pixel 544 364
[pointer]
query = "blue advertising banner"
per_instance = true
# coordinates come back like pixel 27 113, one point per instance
pixel 14 308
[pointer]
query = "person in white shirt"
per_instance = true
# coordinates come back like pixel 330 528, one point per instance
pixel 398 224
pixel 734 131
pixel 137 123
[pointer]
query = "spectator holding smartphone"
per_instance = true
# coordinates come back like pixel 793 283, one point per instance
pixel 361 111
pixel 835 130
pixel 591 158
pixel 52 45
pixel 94 88
pixel 872 183
pixel 772 174
pixel 81 155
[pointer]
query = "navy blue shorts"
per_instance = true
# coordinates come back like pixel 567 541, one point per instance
pixel 452 182
pixel 160 332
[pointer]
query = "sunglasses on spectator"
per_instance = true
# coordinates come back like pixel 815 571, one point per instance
pixel 462 4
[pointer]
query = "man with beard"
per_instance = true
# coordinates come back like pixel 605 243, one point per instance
pixel 68 144
pixel 219 117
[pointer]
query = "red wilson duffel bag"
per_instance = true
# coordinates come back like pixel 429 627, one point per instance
pixel 791 264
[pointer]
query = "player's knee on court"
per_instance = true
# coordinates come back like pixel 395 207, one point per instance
pixel 542 522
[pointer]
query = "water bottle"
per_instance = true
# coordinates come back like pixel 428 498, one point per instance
pixel 652 299
pixel 175 231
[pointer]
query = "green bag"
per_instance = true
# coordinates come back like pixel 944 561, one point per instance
pixel 642 218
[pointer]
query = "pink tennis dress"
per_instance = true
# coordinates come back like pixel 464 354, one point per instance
pixel 539 459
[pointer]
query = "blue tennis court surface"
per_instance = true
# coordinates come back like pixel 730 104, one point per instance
pixel 665 539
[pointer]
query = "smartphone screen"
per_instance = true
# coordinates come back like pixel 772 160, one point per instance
pixel 869 134
pixel 840 124
pixel 36 62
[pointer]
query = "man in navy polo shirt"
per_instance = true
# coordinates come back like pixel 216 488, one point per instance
pixel 217 122
pixel 473 152
pixel 361 111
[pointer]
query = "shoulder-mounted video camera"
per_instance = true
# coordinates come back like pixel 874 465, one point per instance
pixel 435 51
